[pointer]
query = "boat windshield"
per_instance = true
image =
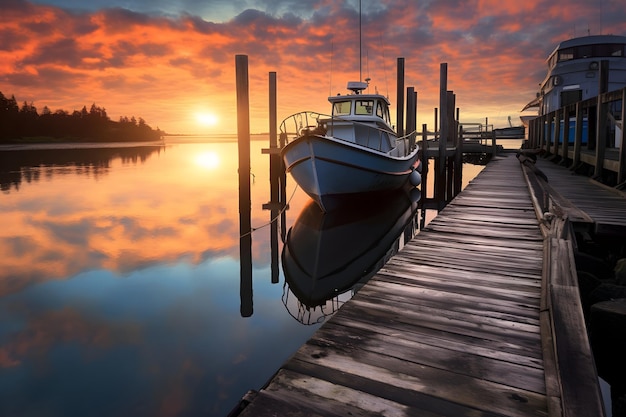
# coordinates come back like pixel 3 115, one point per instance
pixel 588 51
pixel 382 111
pixel 341 108
pixel 364 107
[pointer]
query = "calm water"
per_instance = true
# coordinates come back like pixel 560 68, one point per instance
pixel 122 292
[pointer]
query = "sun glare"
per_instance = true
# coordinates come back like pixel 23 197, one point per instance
pixel 208 160
pixel 206 119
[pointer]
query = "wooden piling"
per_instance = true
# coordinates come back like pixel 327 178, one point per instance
pixel 400 98
pixel 245 204
pixel 557 131
pixel 243 133
pixel 451 140
pixel 565 145
pixel 424 184
pixel 411 115
pixel 440 181
pixel 578 134
pixel 458 157
pixel 621 175
pixel 601 125
pixel 275 166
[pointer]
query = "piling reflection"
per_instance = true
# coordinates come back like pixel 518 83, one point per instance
pixel 328 256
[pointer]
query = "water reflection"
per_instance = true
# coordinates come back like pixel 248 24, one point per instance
pixel 27 164
pixel 120 293
pixel 327 254
pixel 124 277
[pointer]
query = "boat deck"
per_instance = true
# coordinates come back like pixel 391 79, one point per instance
pixel 449 327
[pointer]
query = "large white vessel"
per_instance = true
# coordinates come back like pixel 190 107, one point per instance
pixel 574 71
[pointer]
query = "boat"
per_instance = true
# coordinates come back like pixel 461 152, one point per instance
pixel 510 132
pixel 352 151
pixel 574 72
pixel 328 256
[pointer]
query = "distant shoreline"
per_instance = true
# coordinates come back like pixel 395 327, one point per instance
pixel 49 142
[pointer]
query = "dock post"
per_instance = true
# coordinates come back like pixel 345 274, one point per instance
pixel 423 185
pixel 542 131
pixel 547 132
pixel 245 204
pixel 601 118
pixel 578 135
pixel 565 145
pixel 458 158
pixel 535 141
pixel 400 99
pixel 450 160
pixel 440 175
pixel 410 115
pixel 557 131
pixel 621 175
pixel 274 163
pixel 274 179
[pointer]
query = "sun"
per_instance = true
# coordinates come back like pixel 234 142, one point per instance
pixel 206 119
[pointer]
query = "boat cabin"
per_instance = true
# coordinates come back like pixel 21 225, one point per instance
pixel 362 118
pixel 573 71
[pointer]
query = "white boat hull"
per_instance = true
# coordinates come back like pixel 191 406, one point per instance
pixel 331 170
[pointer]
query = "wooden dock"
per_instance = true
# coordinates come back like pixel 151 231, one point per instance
pixel 451 326
pixel 603 208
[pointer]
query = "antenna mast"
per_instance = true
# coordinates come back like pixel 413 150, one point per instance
pixel 360 47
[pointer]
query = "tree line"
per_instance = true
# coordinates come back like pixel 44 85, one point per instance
pixel 24 122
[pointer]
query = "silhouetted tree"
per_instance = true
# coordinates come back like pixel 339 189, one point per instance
pixel 16 122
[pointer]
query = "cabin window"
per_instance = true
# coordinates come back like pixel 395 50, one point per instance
pixel 382 111
pixel 379 110
pixel 341 108
pixel 589 51
pixel 614 50
pixel 566 54
pixel 364 107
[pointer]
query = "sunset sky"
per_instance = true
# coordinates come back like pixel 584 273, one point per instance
pixel 173 62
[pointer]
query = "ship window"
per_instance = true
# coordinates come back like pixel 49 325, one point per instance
pixel 566 54
pixel 588 51
pixel 379 110
pixel 364 107
pixel 613 50
pixel 341 108
pixel 583 52
pixel 382 111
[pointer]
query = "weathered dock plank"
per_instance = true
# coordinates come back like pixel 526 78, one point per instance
pixel 605 207
pixel 449 327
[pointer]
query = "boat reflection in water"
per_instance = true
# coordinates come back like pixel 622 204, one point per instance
pixel 327 257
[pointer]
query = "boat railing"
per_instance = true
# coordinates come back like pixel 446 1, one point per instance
pixel 369 135
pixel 301 123
pixel 477 133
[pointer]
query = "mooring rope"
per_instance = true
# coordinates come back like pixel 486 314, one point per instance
pixel 272 220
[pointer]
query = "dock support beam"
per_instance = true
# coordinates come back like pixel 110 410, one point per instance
pixel 245 204
pixel 440 176
pixel 601 119
pixel 400 99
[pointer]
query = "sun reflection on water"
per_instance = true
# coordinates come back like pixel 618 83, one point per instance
pixel 207 160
